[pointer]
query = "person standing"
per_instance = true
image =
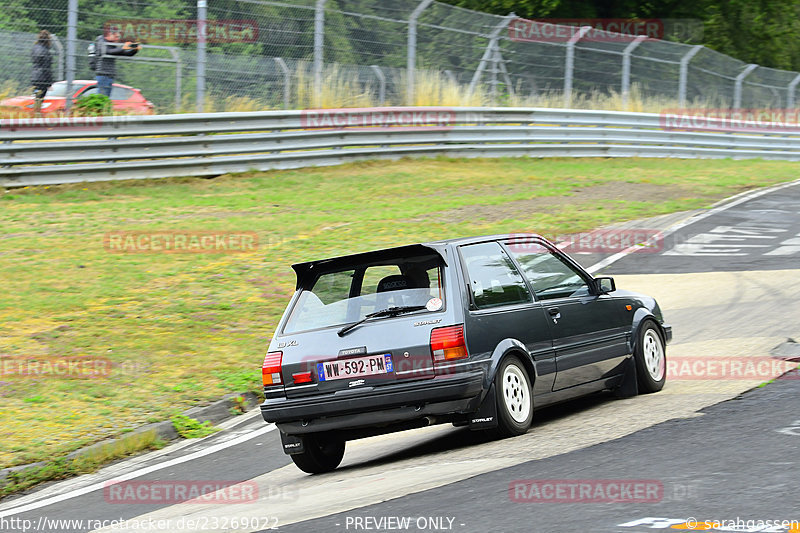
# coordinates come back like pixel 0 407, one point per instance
pixel 105 69
pixel 42 75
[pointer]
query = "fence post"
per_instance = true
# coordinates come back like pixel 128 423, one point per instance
pixel 411 50
pixel 792 87
pixel 319 44
pixel 737 88
pixel 202 31
pixel 178 76
pixel 684 73
pixel 72 36
pixel 60 51
pixel 500 63
pixel 287 80
pixel 494 70
pixel 488 54
pixel 381 83
pixel 569 66
pixel 626 67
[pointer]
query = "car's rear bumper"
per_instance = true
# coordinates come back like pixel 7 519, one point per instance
pixel 442 395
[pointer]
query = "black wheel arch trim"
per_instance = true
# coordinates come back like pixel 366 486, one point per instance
pixel 506 348
pixel 641 317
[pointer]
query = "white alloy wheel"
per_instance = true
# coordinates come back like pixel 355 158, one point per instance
pixel 516 393
pixel 653 352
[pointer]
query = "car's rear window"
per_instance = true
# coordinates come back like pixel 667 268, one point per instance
pixel 344 296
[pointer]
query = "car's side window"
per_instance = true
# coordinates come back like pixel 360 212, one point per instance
pixel 90 91
pixel 120 93
pixel 547 273
pixel 493 278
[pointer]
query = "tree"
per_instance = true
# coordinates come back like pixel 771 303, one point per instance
pixel 766 32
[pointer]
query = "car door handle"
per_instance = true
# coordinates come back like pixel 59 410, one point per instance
pixel 554 311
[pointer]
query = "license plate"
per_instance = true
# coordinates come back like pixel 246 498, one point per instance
pixel 356 367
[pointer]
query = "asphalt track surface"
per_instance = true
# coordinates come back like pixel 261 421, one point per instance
pixel 760 234
pixel 727 281
pixel 737 461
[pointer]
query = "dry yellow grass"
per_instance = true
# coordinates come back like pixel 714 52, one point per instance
pixel 227 104
pixel 8 89
pixel 338 90
pixel 433 88
pixel 611 101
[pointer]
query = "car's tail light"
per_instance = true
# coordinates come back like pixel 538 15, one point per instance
pixel 448 343
pixel 271 369
pixel 302 377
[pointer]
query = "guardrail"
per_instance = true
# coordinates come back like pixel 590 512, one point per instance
pixel 54 151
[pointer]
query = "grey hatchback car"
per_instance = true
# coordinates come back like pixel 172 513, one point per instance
pixel 476 332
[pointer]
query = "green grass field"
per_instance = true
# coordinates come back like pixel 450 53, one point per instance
pixel 180 329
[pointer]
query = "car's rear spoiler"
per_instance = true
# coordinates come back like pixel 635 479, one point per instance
pixel 307 272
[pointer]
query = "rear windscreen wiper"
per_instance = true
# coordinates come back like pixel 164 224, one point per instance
pixel 390 311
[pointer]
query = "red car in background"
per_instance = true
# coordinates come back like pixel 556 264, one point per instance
pixel 124 99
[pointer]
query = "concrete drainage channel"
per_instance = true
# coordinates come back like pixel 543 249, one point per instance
pixel 219 411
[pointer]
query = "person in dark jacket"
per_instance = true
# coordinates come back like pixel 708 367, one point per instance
pixel 108 45
pixel 42 76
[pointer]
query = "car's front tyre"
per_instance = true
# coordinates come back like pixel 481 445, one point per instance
pixel 651 358
pixel 514 398
pixel 321 454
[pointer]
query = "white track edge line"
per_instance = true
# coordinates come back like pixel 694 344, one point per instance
pixel 137 473
pixel 739 199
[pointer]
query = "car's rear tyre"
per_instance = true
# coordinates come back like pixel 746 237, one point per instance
pixel 514 398
pixel 321 454
pixel 651 358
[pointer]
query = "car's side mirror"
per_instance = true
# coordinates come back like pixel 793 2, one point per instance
pixel 604 285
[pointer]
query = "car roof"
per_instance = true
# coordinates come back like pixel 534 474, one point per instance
pixel 307 271
pixel 86 82
pixel 483 238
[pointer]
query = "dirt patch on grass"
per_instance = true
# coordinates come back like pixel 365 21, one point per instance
pixel 613 191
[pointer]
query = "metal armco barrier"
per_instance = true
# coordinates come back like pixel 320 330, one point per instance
pixel 46 151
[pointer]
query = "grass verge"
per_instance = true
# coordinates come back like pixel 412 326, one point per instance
pixel 189 428
pixel 62 467
pixel 175 330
